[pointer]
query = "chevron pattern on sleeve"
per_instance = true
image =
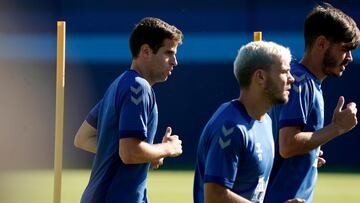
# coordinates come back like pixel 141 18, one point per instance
pixel 136 96
pixel 224 140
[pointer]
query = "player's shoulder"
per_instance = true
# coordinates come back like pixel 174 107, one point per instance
pixel 267 118
pixel 300 73
pixel 230 131
pixel 232 113
pixel 140 82
pixel 132 81
pixel 303 77
pixel 236 127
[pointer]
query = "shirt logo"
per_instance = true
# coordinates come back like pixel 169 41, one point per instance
pixel 259 193
pixel 300 78
pixel 225 132
pixel 136 98
pixel 259 151
pixel 297 88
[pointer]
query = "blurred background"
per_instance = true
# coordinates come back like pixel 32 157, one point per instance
pixel 97 52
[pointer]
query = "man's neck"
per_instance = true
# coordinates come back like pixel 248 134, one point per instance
pixel 139 68
pixel 313 64
pixel 255 105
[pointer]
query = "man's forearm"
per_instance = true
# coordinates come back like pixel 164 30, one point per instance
pixel 303 142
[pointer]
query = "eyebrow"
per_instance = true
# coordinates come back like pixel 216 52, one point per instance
pixel 170 51
pixel 285 68
pixel 349 46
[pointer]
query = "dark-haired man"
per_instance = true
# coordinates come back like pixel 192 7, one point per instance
pixel 330 36
pixel 120 129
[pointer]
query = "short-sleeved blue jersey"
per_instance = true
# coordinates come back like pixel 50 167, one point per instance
pixel 128 109
pixel 295 177
pixel 236 152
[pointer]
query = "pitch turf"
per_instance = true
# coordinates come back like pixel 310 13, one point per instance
pixel 36 186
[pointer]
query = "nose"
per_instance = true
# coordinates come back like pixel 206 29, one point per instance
pixel 291 79
pixel 348 56
pixel 174 61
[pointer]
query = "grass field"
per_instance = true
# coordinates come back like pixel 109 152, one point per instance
pixel 36 186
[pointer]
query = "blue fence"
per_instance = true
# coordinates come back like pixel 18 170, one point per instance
pixel 97 52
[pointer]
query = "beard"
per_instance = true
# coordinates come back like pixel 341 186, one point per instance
pixel 329 64
pixel 274 93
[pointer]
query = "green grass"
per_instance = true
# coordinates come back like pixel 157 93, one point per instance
pixel 338 187
pixel 36 186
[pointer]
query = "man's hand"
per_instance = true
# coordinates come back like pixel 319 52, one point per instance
pixel 321 160
pixel 156 164
pixel 346 119
pixel 175 148
pixel 296 200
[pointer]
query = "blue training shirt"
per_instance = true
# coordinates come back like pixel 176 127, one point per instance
pixel 234 151
pixel 128 109
pixel 295 177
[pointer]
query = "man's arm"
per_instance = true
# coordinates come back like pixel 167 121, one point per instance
pixel 136 151
pixel 294 142
pixel 85 137
pixel 215 193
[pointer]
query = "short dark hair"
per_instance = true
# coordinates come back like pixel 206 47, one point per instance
pixel 333 24
pixel 152 31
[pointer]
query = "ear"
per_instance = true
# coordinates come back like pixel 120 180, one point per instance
pixel 321 43
pixel 145 50
pixel 259 76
